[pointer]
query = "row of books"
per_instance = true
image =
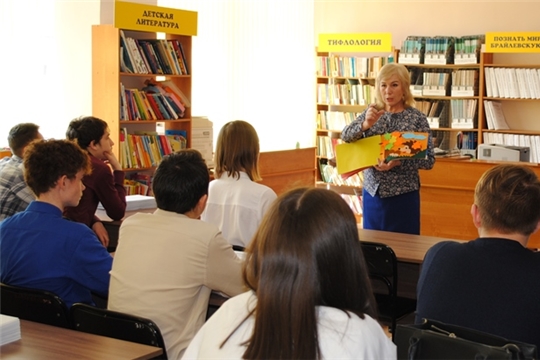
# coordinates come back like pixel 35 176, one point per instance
pixel 514 83
pixel 435 78
pixel 326 146
pixel 138 184
pixel 464 83
pixel 467 141
pixel 530 141
pixel 463 113
pixel 495 118
pixel 156 101
pixel 330 175
pixel 348 93
pixel 335 120
pixel 351 66
pixel 152 56
pixel 146 149
pixel 354 202
pixel 441 49
pixel 435 111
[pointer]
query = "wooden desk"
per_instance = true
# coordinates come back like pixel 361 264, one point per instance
pixel 408 248
pixel 40 341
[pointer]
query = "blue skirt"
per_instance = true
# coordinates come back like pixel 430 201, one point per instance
pixel 399 213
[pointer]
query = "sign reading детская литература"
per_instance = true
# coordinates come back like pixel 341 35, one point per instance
pixel 142 17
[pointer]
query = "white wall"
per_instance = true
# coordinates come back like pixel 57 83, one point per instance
pixel 425 17
pixel 47 74
pixel 254 61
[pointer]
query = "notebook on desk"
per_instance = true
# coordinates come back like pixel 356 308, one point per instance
pixel 137 202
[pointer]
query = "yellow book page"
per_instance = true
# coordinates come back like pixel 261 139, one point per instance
pixel 358 155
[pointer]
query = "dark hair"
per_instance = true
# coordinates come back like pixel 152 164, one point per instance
pixel 86 129
pixel 180 180
pixel 508 198
pixel 237 149
pixel 306 253
pixel 21 135
pixel 48 160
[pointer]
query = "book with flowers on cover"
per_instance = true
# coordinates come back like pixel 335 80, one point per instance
pixel 354 157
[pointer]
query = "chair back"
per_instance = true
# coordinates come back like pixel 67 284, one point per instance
pixel 34 305
pixel 116 325
pixel 382 266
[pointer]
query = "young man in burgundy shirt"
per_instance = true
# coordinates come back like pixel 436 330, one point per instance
pixel 105 184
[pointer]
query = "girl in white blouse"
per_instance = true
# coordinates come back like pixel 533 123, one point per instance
pixel 309 296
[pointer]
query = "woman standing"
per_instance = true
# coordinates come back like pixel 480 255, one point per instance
pixel 391 191
pixel 309 294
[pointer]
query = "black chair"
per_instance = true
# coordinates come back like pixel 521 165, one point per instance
pixel 34 305
pixel 382 266
pixel 117 325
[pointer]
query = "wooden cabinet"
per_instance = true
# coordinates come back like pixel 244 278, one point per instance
pixel 108 80
pixel 447 193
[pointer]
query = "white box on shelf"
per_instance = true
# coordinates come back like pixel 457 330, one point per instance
pixel 433 90
pixel 433 122
pixel 202 138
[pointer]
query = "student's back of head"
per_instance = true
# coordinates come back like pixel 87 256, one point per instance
pixel 180 181
pixel 21 135
pixel 48 160
pixel 508 199
pixel 237 149
pixel 306 253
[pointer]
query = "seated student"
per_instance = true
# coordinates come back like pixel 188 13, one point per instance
pixel 310 296
pixel 491 284
pixel 102 185
pixel 236 203
pixel 39 248
pixel 14 194
pixel 167 263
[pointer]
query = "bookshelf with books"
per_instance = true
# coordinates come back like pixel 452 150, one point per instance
pixel 512 95
pixel 345 83
pixel 446 80
pixel 141 86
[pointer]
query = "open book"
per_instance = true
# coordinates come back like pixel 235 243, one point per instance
pixel 364 153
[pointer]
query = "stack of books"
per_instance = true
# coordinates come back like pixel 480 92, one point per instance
pixel 10 329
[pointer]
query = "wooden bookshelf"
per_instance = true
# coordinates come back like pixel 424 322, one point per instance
pixel 445 132
pixel 519 111
pixel 107 78
pixel 336 79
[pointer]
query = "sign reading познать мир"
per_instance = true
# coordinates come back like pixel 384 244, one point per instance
pixel 512 42
pixel 142 17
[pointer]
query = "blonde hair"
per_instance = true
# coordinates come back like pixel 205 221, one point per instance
pixel 404 77
pixel 237 150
